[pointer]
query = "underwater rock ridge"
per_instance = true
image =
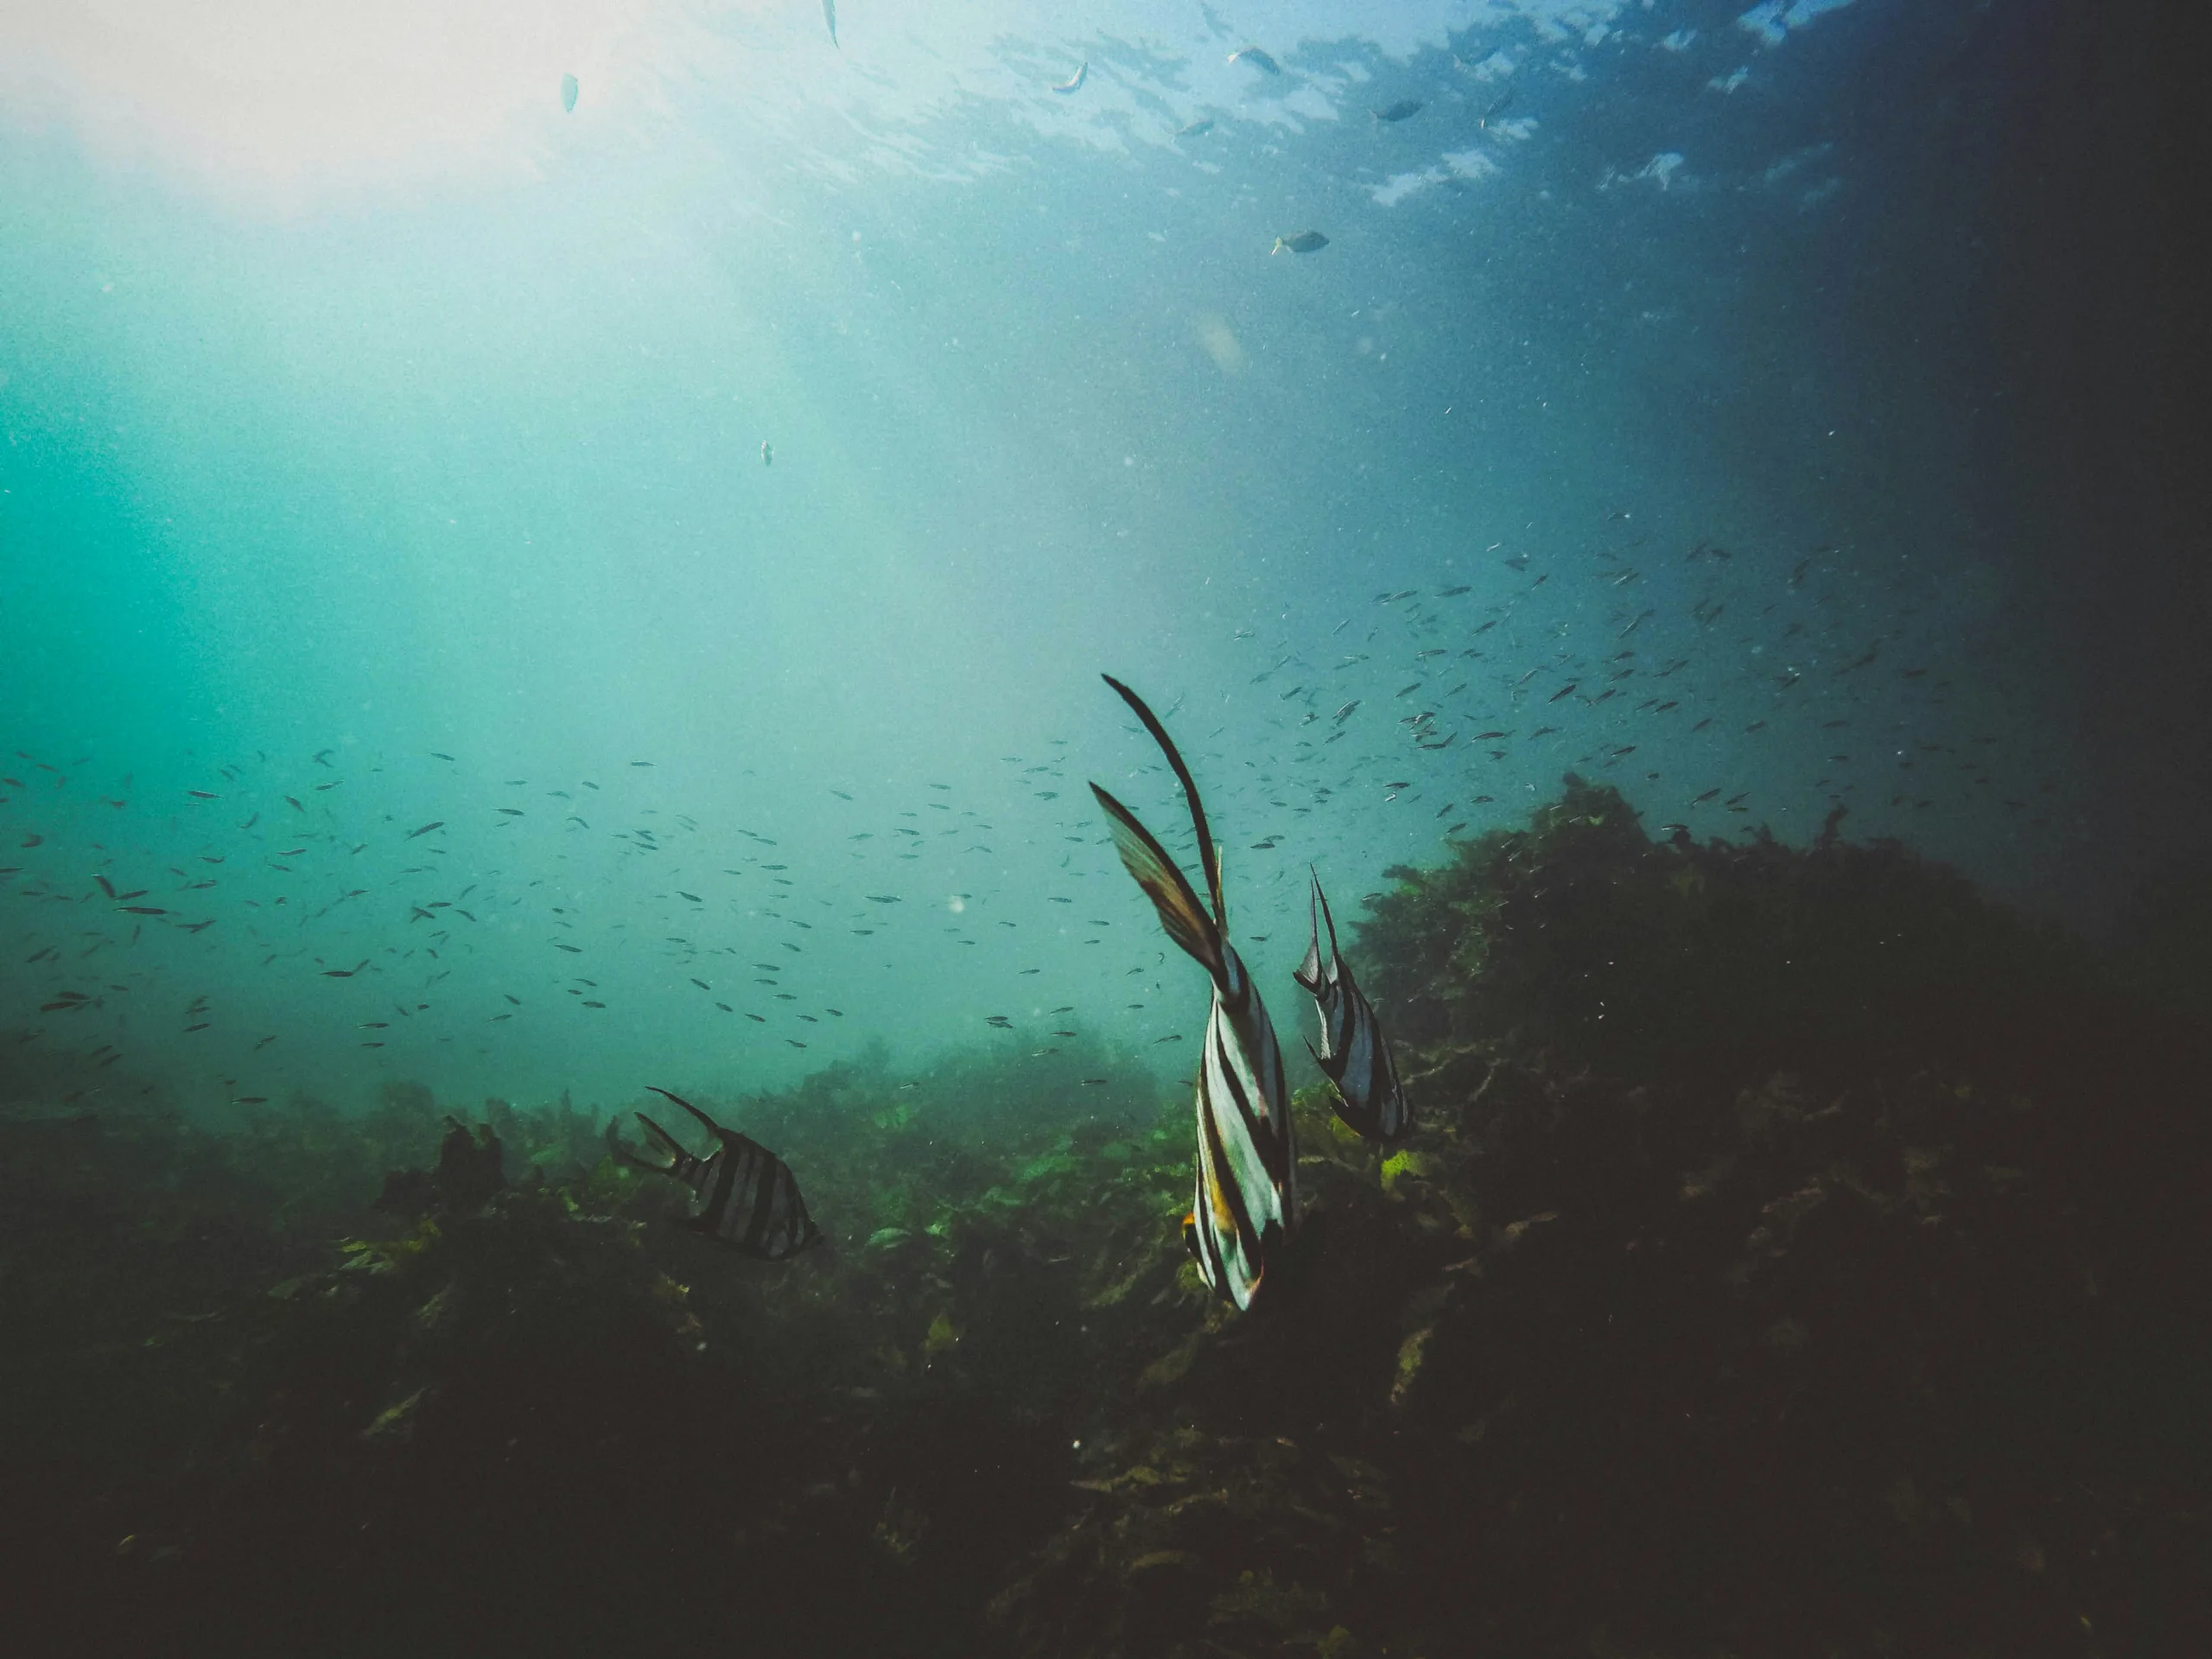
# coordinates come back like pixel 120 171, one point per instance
pixel 1791 1251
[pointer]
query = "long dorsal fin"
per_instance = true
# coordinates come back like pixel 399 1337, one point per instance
pixel 1209 859
pixel 1330 921
pixel 662 1141
pixel 1180 914
pixel 713 1128
pixel 655 1134
pixel 1309 972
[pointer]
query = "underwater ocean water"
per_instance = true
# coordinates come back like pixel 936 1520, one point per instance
pixel 581 1067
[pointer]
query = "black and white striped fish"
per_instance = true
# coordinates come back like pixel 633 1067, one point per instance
pixel 748 1198
pixel 1354 1055
pixel 1245 1207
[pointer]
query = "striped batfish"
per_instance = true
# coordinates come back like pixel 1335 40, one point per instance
pixel 1354 1055
pixel 748 1198
pixel 1245 1208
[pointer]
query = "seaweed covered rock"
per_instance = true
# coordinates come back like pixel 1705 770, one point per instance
pixel 1793 1253
pixel 471 1168
pixel 1715 960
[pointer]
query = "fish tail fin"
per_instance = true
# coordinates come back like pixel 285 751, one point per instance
pixel 1209 855
pixel 1180 914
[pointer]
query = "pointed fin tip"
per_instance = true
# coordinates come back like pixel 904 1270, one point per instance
pixel 657 1138
pixel 1148 864
pixel 1209 853
pixel 686 1105
pixel 1327 915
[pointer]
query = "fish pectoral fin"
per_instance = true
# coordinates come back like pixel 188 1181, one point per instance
pixel 1180 914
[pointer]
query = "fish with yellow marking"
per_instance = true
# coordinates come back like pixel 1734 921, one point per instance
pixel 1245 1209
pixel 1354 1055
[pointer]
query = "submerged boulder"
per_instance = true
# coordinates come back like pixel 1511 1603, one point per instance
pixel 471 1168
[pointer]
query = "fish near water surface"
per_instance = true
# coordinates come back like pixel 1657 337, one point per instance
pixel 748 1198
pixel 1354 1055
pixel 1245 1206
pixel 1304 242
pixel 1404 110
pixel 1074 83
pixel 1257 59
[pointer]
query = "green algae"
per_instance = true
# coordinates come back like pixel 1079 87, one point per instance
pixel 1793 1252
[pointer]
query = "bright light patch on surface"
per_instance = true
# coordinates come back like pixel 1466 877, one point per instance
pixel 1661 170
pixel 268 99
pixel 284 102
pixel 1220 344
pixel 1472 164
pixel 1773 21
pixel 1453 164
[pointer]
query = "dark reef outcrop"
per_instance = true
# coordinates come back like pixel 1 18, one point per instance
pixel 1795 1253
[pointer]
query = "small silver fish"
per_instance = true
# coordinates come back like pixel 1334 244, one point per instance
pixel 569 94
pixel 1304 242
pixel 1196 130
pixel 1402 109
pixel 1074 83
pixel 1257 59
pixel 829 17
pixel 767 453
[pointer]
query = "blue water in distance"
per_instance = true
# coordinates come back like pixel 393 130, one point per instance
pixel 712 508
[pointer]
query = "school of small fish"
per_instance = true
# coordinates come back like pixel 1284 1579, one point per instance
pixel 1461 698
